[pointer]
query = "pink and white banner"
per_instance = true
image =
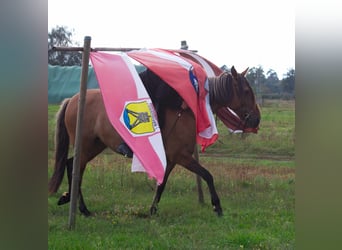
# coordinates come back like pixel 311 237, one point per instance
pixel 130 110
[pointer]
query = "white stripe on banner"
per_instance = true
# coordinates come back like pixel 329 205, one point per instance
pixel 205 65
pixel 171 57
pixel 141 91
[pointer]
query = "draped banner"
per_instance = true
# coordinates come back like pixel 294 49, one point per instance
pixel 225 114
pixel 130 110
pixel 189 79
pixel 210 134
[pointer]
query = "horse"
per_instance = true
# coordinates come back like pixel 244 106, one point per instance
pixel 229 89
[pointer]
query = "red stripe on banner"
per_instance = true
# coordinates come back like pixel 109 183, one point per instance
pixel 123 94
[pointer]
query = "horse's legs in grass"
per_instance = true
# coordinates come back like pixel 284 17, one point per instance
pixel 65 198
pixel 195 167
pixel 160 188
pixel 81 205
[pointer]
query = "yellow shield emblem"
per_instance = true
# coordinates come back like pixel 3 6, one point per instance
pixel 137 118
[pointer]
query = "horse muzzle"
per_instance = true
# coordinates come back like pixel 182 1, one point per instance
pixel 251 124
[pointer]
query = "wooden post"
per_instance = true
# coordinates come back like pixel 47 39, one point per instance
pixel 185 46
pixel 77 149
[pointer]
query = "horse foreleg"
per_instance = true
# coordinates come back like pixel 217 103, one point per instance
pixel 160 188
pixel 195 167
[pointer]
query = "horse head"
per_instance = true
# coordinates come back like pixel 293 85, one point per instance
pixel 232 90
pixel 243 102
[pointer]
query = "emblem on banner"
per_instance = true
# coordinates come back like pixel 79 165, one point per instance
pixel 193 80
pixel 138 118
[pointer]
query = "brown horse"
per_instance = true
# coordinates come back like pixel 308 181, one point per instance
pixel 178 133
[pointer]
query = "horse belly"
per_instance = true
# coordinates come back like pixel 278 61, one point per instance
pixel 179 135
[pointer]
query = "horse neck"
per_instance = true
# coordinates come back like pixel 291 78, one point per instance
pixel 220 91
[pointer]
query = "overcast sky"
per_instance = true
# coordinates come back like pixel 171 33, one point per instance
pixel 244 33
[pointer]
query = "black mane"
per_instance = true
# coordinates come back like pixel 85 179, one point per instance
pixel 162 95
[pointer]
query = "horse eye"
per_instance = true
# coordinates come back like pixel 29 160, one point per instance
pixel 247 92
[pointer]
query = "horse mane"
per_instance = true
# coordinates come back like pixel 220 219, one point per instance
pixel 160 92
pixel 151 82
pixel 162 95
pixel 220 88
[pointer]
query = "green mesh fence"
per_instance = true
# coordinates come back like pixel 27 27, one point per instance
pixel 64 81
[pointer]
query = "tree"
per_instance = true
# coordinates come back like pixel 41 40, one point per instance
pixel 288 82
pixel 61 37
pixel 272 82
pixel 257 78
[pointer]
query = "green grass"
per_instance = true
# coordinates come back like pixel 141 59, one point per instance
pixel 254 177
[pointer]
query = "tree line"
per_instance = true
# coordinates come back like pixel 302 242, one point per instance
pixel 265 85
pixel 269 86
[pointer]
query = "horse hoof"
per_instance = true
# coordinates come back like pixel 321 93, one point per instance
pixel 153 210
pixel 86 212
pixel 65 198
pixel 218 211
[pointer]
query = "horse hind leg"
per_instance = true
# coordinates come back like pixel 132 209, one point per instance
pixel 160 188
pixel 81 204
pixel 65 198
pixel 195 167
pixel 82 207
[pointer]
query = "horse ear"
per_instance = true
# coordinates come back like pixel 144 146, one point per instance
pixel 233 71
pixel 245 72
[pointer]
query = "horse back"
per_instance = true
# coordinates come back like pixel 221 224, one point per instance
pixel 96 125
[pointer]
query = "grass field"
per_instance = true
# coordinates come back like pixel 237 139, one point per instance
pixel 254 177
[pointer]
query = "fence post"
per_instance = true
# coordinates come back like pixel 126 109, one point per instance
pixel 185 46
pixel 79 126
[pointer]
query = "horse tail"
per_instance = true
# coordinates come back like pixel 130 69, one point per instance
pixel 62 148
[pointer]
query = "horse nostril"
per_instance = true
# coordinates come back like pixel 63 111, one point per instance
pixel 254 122
pixel 257 121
